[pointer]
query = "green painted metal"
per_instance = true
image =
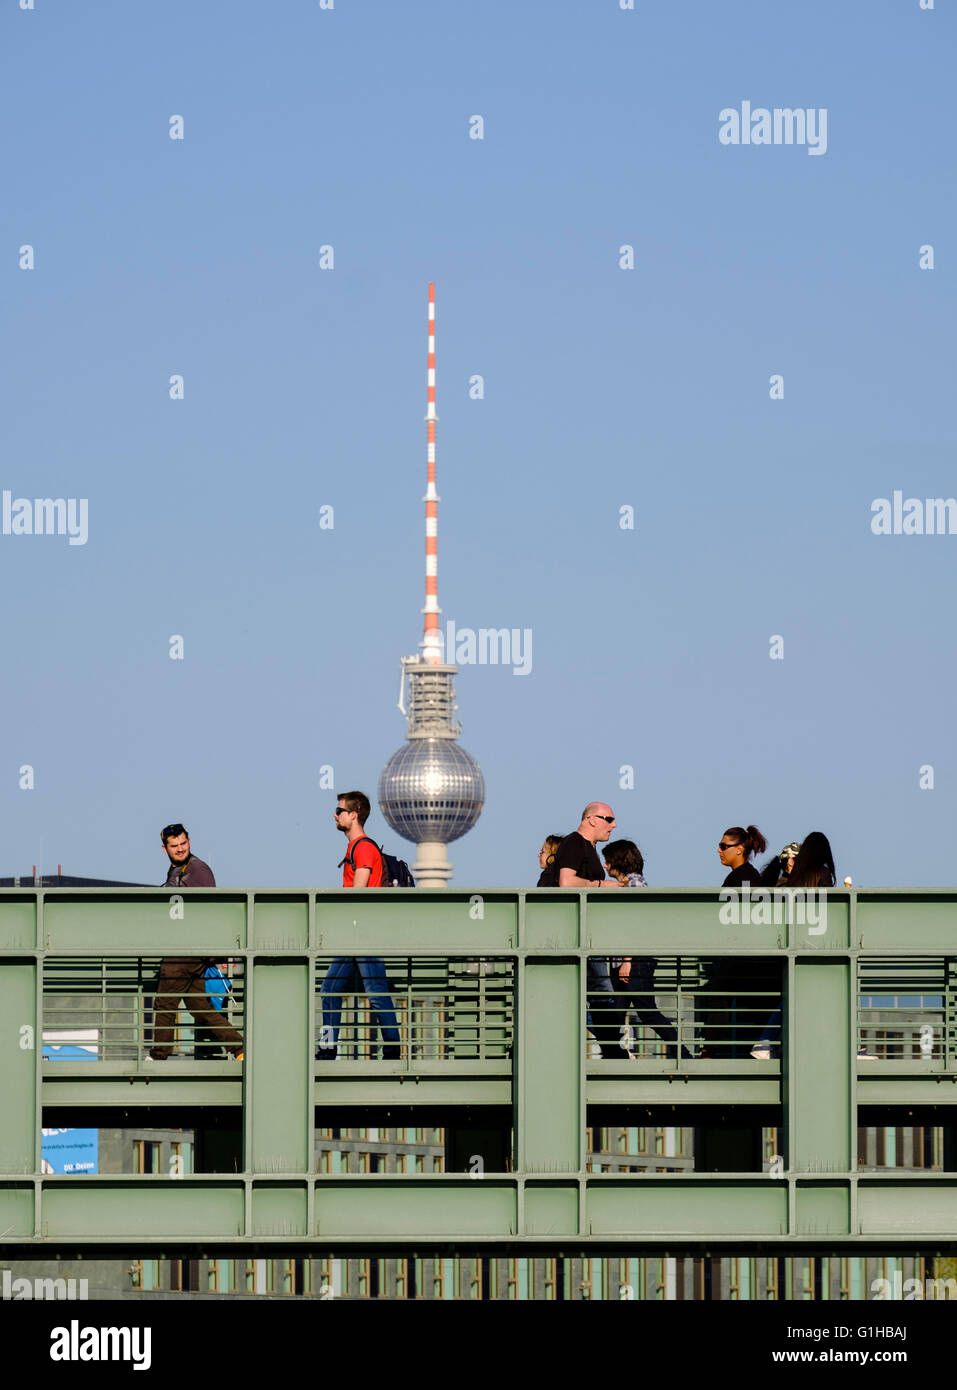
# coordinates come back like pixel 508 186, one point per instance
pixel 516 960
pixel 19 1128
pixel 821 1041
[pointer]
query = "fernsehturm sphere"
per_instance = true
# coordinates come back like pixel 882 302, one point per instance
pixel 431 791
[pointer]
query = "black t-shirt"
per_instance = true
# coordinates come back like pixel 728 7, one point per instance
pixel 744 874
pixel 575 853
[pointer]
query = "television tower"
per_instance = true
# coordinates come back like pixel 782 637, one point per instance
pixel 431 791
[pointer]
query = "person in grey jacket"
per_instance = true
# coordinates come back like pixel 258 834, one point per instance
pixel 183 977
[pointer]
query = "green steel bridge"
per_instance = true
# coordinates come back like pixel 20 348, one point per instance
pixel 489 987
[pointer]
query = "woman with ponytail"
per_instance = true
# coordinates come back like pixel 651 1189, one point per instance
pixel 735 850
pixel 723 1014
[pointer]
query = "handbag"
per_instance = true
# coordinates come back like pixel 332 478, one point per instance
pixel 217 986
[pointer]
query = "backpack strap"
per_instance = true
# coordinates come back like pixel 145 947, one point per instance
pixel 350 853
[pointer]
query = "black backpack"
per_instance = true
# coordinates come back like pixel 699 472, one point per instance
pixel 395 872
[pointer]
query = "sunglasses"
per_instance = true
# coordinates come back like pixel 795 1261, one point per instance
pixel 609 819
pixel 170 832
pixel 722 845
pixel 341 811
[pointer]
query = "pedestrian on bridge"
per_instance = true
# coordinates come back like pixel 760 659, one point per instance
pixel 182 977
pixel 576 865
pixel 362 867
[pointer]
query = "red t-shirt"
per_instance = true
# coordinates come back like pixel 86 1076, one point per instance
pixel 366 856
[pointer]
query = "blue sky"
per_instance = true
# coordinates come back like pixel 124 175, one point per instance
pixel 604 388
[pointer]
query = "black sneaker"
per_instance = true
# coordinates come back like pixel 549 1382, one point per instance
pixel 391 1053
pixel 326 1054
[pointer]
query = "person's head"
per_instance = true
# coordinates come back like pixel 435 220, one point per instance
pixel 778 869
pixel 546 855
pixel 814 864
pixel 175 840
pixel 623 857
pixel 787 857
pixel 352 809
pixel 739 843
pixel 598 821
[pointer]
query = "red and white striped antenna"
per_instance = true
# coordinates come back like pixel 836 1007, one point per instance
pixel 432 645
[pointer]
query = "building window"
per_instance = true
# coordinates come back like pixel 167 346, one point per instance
pixel 147 1156
pixel 181 1157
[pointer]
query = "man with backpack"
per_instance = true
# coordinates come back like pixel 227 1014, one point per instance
pixel 364 866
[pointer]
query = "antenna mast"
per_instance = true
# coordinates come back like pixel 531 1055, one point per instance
pixel 432 645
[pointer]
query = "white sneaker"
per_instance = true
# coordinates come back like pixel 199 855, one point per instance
pixel 761 1054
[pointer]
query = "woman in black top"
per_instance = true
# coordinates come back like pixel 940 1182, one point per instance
pixel 813 868
pixel 725 1017
pixel 814 865
pixel 735 850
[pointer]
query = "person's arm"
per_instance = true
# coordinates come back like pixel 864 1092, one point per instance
pixel 567 878
pixel 363 874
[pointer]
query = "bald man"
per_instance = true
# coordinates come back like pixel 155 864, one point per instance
pixel 577 866
pixel 577 859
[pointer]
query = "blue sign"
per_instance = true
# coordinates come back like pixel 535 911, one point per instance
pixel 70 1150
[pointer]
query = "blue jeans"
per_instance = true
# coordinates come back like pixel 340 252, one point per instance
pixel 347 975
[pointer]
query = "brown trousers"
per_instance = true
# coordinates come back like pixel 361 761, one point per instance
pixel 185 979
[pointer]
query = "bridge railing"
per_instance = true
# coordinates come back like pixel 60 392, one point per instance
pixel 852 996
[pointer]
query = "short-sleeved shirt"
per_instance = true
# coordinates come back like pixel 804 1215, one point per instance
pixel 365 855
pixel 579 855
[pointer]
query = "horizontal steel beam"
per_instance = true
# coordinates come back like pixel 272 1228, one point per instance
pixel 514 986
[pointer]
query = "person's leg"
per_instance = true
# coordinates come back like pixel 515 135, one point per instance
pixel 604 1019
pixel 376 987
pixel 713 1011
pixel 769 1042
pixel 206 1047
pixel 204 1015
pixel 337 983
pixel 637 996
pixel 662 1025
pixel 174 975
pixel 757 1007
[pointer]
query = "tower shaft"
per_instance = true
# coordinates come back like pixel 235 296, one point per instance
pixel 432 651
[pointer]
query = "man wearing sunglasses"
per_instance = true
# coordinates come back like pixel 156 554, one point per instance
pixel 577 866
pixel 185 977
pixel 362 867
pixel 576 858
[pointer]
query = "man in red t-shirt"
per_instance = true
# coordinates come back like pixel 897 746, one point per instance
pixel 363 867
